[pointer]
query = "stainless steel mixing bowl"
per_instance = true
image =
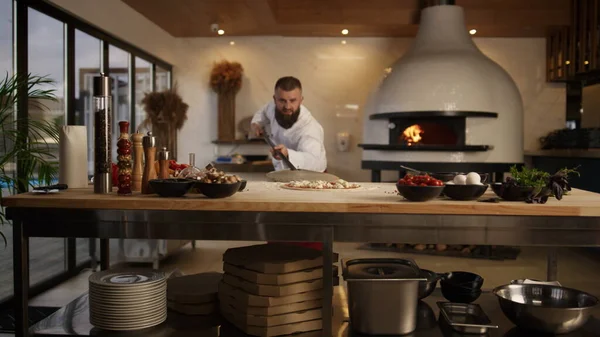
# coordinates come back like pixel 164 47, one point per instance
pixel 545 308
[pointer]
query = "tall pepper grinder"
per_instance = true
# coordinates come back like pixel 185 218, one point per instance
pixel 138 161
pixel 124 159
pixel 149 143
pixel 163 163
pixel 102 134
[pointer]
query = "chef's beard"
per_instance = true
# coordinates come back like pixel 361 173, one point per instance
pixel 286 121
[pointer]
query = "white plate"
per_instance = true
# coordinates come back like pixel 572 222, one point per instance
pixel 126 278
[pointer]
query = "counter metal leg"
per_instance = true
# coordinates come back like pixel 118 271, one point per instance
pixel 552 267
pixel 104 254
pixel 328 281
pixel 21 279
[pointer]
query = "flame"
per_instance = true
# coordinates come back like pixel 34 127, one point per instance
pixel 412 134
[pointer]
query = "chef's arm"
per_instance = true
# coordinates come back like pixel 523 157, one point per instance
pixel 310 155
pixel 260 117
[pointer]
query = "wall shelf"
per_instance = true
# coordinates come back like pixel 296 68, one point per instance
pixel 433 114
pixel 444 148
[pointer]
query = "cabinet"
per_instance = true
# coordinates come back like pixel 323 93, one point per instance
pixel 573 51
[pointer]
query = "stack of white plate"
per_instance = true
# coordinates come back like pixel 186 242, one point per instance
pixel 127 300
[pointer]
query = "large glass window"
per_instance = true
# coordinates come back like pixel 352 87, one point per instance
pixel 143 84
pixel 6 59
pixel 118 61
pixel 163 79
pixel 46 58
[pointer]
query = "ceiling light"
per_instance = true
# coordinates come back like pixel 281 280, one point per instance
pixel 568 62
pixel 343 41
pixel 473 31
pixel 232 42
pixel 220 32
pixel 586 62
pixel 344 31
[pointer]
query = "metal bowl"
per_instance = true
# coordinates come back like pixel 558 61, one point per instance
pixel 545 308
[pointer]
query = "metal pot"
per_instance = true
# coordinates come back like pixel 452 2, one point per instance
pixel 383 295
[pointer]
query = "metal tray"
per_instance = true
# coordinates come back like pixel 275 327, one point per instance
pixel 465 318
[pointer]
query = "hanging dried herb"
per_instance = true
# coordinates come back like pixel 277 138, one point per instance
pixel 165 107
pixel 226 77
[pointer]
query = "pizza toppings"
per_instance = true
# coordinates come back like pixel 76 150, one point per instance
pixel 322 185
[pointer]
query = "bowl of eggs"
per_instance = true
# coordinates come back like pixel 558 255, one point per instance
pixel 465 187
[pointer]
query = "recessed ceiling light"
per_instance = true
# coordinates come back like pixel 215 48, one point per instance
pixel 232 42
pixel 220 32
pixel 586 62
pixel 473 31
pixel 343 41
pixel 568 62
pixel 344 31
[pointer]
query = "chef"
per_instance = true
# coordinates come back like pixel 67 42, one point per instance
pixel 296 132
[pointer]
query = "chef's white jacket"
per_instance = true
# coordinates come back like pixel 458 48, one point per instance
pixel 304 140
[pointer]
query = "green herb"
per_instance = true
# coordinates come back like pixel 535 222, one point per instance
pixel 529 177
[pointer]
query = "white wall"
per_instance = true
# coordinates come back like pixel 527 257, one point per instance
pixel 336 78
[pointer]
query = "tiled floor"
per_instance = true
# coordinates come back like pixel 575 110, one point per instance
pixel 578 268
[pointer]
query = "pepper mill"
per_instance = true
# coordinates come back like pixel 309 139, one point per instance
pixel 149 143
pixel 138 152
pixel 163 162
pixel 102 134
pixel 124 159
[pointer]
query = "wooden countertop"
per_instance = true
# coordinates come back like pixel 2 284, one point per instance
pixel 270 197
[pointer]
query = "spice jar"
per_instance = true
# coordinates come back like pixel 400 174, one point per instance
pixel 124 159
pixel 102 102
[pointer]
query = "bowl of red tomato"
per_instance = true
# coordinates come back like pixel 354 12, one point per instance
pixel 419 187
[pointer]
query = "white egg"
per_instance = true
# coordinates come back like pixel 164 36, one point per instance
pixel 449 183
pixel 460 179
pixel 473 178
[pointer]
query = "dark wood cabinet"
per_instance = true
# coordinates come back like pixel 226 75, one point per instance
pixel 573 51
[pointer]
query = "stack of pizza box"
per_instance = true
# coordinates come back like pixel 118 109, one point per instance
pixel 273 289
pixel 194 294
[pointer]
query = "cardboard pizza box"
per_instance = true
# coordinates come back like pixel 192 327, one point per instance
pixel 266 301
pixel 194 289
pixel 272 310
pixel 275 258
pixel 269 290
pixel 269 321
pixel 276 279
pixel 271 331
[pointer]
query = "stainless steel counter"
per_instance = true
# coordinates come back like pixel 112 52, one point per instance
pixel 74 320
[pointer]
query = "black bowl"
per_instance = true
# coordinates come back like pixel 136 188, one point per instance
pixel 427 287
pixel 512 193
pixel 218 190
pixel 242 185
pixel 463 280
pixel 465 192
pixel 171 188
pixel 419 193
pixel 452 295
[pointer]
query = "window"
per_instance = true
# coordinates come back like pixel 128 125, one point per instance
pixel 87 65
pixel 46 58
pixel 118 61
pixel 143 85
pixel 163 79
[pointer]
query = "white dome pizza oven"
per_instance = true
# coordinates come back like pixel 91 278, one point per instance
pixel 444 105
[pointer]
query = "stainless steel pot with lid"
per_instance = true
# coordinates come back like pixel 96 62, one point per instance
pixel 383 295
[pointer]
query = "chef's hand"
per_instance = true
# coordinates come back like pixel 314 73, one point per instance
pixel 257 130
pixel 281 149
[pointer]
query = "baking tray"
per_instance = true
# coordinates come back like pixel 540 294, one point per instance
pixel 465 318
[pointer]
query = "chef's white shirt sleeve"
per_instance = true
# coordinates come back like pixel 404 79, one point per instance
pixel 310 154
pixel 260 117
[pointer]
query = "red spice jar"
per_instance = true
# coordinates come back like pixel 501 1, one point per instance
pixel 124 162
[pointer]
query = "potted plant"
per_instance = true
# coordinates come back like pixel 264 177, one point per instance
pixel 29 150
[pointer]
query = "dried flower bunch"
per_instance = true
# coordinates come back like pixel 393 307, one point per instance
pixel 226 77
pixel 165 107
